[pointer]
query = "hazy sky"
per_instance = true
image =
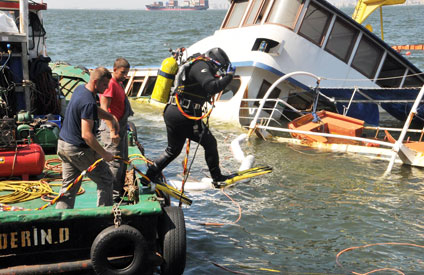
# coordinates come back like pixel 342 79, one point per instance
pixel 96 4
pixel 106 4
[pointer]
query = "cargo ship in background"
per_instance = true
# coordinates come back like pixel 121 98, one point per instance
pixel 173 5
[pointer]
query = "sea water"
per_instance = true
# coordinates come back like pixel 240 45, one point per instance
pixel 311 207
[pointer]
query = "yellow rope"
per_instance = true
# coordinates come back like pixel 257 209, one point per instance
pixel 23 190
pixel 29 190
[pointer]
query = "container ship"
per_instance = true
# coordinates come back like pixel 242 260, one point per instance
pixel 173 5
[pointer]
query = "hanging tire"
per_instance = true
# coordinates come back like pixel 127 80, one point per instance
pixel 118 251
pixel 172 237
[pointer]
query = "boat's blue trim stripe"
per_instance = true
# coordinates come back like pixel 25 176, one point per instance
pixel 272 70
pixel 374 93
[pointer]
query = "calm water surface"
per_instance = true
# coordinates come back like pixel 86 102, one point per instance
pixel 313 205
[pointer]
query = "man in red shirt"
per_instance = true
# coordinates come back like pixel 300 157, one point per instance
pixel 116 102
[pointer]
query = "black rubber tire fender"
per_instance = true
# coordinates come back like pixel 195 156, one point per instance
pixel 172 236
pixel 103 243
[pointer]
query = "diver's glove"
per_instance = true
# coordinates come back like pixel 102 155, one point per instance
pixel 231 69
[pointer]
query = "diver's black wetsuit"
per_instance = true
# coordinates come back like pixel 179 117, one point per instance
pixel 199 86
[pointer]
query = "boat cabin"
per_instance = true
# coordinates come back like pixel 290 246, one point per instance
pixel 328 30
pixel 279 37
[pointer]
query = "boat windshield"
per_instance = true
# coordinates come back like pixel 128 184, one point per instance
pixel 235 14
pixel 284 12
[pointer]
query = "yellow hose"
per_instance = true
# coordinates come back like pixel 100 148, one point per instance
pixel 23 190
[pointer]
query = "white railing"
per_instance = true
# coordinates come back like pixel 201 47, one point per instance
pixel 273 111
pixel 265 126
pixel 254 122
pixel 408 121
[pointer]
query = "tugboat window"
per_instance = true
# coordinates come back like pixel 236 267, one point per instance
pixel 341 40
pixel 235 14
pixel 284 12
pixel 391 74
pixel 367 57
pixel 315 24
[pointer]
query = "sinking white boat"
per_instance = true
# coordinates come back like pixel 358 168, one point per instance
pixel 341 133
pixel 267 39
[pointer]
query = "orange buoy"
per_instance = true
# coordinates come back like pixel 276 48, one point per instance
pixel 412 47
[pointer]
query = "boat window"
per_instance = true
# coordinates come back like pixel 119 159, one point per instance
pixel 262 11
pixel 231 89
pixel 391 73
pixel 284 12
pixel 367 57
pixel 269 104
pixel 315 24
pixel 134 86
pixel 235 14
pixel 341 40
pixel 256 12
pixel 412 80
pixel 252 13
pixel 148 89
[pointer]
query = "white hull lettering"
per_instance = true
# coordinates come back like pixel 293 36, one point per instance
pixel 46 237
pixel 34 237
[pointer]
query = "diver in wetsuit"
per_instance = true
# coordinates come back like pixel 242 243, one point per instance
pixel 200 79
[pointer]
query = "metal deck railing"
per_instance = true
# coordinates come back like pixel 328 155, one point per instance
pixel 262 117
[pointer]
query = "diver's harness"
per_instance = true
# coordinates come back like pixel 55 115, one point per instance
pixel 179 92
pixel 185 103
pixel 177 98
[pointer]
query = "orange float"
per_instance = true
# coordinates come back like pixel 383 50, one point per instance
pixel 413 47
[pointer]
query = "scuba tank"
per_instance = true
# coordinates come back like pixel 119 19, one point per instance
pixel 165 79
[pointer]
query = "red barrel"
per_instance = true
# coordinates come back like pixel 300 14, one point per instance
pixel 27 160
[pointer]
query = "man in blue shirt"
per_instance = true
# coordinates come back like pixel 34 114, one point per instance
pixel 78 147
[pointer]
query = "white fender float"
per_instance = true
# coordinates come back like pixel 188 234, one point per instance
pixel 246 162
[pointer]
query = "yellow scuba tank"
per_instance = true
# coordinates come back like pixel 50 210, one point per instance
pixel 165 79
